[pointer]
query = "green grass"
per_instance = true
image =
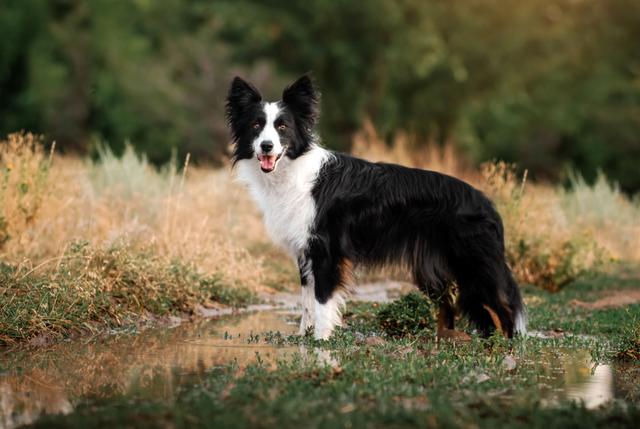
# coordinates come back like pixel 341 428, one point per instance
pixel 555 312
pixel 89 289
pixel 404 380
pixel 629 349
pixel 373 388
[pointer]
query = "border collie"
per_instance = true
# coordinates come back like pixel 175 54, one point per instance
pixel 332 212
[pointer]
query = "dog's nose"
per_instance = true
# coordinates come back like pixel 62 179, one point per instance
pixel 266 146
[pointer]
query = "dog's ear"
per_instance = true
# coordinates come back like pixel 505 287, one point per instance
pixel 303 100
pixel 241 96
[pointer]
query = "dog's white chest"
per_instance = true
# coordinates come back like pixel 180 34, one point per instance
pixel 284 197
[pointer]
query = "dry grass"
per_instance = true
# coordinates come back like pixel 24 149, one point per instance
pixel 406 151
pixel 198 215
pixel 24 169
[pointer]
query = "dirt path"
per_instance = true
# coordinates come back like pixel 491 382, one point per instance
pixel 618 298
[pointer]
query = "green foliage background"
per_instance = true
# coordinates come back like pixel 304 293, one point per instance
pixel 545 83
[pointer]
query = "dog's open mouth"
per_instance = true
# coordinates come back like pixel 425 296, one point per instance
pixel 268 162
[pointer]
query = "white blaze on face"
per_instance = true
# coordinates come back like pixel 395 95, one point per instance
pixel 269 133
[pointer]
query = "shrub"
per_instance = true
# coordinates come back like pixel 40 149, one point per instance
pixel 603 210
pixel 408 315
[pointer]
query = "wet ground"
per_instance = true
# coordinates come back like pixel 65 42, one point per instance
pixel 154 364
pixel 159 363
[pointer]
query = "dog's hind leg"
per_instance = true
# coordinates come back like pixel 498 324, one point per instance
pixel 484 297
pixel 494 318
pixel 488 293
pixel 430 274
pixel 446 321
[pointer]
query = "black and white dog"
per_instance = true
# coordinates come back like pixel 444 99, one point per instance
pixel 332 212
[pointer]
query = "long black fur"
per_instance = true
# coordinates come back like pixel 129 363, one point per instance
pixel 440 227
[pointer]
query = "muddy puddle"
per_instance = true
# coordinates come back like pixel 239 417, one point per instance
pixel 157 363
pixel 153 364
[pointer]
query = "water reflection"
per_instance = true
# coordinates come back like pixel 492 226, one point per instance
pixel 596 390
pixel 572 374
pixel 151 364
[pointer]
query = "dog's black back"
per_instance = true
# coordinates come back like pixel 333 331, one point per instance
pixel 440 227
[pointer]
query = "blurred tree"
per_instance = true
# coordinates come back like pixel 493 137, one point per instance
pixel 545 83
pixel 17 110
pixel 342 42
pixel 149 72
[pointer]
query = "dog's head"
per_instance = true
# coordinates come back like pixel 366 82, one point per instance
pixel 267 131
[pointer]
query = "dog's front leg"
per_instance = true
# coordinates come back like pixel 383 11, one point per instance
pixel 330 275
pixel 307 296
pixel 328 315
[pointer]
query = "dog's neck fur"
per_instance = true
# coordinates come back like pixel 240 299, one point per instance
pixel 284 196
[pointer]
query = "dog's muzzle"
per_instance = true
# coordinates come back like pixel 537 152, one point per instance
pixel 268 161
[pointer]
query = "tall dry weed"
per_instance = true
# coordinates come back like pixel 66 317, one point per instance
pixel 203 217
pixel 405 150
pixel 24 170
pixel 603 210
pixel 543 246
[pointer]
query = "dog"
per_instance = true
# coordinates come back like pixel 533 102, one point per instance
pixel 333 212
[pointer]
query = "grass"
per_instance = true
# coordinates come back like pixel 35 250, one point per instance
pixel 195 217
pixel 305 394
pixel 630 347
pixel 87 290
pixel 199 216
pixel 171 236
pixel 405 380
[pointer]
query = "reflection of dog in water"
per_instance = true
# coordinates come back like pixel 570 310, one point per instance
pixel 332 211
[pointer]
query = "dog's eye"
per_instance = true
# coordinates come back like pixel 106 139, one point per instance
pixel 256 125
pixel 282 127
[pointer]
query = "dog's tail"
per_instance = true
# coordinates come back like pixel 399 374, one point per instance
pixel 515 304
pixel 488 294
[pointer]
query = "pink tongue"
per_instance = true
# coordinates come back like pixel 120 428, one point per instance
pixel 267 162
